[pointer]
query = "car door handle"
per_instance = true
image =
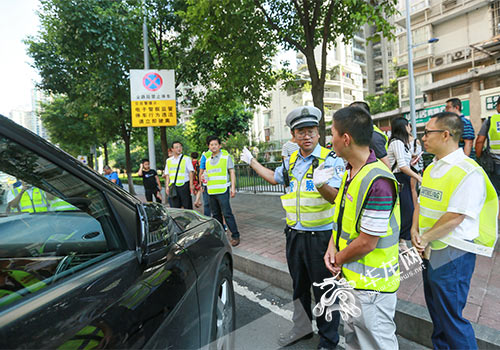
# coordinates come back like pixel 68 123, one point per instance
pixel 90 235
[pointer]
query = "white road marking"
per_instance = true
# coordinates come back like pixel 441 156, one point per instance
pixel 286 314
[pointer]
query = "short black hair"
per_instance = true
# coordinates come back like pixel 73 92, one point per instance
pixel 451 122
pixel 173 143
pixel 498 101
pixel 355 121
pixel 213 138
pixel 144 160
pixel 107 167
pixel 194 155
pixel 361 104
pixel 455 102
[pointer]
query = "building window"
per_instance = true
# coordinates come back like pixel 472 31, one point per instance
pixel 496 17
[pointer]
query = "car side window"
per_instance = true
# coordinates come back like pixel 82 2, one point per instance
pixel 52 224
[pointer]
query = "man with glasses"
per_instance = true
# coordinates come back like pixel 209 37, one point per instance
pixel 455 219
pixel 312 176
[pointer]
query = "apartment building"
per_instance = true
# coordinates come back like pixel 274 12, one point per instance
pixel 346 79
pixel 464 63
pixel 380 66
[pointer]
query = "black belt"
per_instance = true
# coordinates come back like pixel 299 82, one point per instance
pixel 290 229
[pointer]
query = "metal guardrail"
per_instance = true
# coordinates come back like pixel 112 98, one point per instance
pixel 247 179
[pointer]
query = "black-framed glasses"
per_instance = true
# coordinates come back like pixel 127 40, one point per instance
pixel 427 132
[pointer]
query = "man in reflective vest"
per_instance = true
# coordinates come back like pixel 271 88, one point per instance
pixel 366 223
pixel 27 199
pixel 179 178
pixel 490 130
pixel 379 141
pixel 311 176
pixel 218 165
pixel 456 219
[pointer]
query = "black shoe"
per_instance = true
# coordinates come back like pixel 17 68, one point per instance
pixel 292 337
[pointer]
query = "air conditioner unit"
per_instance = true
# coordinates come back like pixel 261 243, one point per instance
pixel 449 2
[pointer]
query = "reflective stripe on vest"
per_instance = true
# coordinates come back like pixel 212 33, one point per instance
pixel 217 174
pixel 494 134
pixel 379 269
pixel 172 169
pixel 304 203
pixel 57 204
pixel 35 203
pixel 435 195
pixel 376 129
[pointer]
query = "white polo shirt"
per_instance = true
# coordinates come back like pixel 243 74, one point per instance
pixel 468 198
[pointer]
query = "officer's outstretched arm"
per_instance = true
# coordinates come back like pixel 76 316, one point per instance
pixel 262 171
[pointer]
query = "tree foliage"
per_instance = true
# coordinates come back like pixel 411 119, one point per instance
pixel 84 50
pixel 245 34
pixel 389 100
pixel 220 119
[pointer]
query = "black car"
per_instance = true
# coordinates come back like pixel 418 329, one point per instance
pixel 85 265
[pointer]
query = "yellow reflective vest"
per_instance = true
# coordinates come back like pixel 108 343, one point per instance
pixel 31 204
pixel 172 170
pixel 494 134
pixel 379 269
pixel 57 204
pixel 303 202
pixel 376 129
pixel 217 174
pixel 435 195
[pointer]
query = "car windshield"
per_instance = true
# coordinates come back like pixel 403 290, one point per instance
pixel 51 222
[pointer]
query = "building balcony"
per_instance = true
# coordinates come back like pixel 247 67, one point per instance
pixel 416 9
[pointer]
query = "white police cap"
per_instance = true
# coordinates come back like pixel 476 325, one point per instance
pixel 303 116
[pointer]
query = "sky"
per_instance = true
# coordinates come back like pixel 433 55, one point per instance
pixel 17 20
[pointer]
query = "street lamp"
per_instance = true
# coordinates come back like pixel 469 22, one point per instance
pixel 411 79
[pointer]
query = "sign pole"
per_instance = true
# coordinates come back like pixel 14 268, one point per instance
pixel 151 135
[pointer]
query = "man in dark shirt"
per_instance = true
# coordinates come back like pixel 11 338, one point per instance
pixel 379 142
pixel 151 181
pixel 454 105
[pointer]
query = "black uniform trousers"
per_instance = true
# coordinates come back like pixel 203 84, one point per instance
pixel 183 198
pixel 304 254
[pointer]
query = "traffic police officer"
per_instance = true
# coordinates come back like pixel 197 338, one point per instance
pixel 364 243
pixel 456 219
pixel 311 176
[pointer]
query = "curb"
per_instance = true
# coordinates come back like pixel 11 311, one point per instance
pixel 412 320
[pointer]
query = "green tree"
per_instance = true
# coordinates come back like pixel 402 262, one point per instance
pixel 244 35
pixel 221 119
pixel 84 50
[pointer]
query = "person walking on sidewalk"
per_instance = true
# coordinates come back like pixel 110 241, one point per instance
pixel 179 178
pixel 312 176
pixel 150 181
pixel 456 219
pixel 490 160
pixel 454 105
pixel 364 243
pixel 219 164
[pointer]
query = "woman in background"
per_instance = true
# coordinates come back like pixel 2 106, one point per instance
pixel 400 156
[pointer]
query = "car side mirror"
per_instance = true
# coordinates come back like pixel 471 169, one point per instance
pixel 155 233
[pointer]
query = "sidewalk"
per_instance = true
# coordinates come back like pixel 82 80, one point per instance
pixel 260 220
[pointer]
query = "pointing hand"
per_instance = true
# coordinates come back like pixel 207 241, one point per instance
pixel 321 175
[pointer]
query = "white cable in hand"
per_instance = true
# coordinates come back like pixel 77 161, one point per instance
pixel 321 175
pixel 246 156
pixel 342 290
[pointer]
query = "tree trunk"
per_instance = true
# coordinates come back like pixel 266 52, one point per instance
pixel 318 91
pixel 106 159
pixel 91 161
pixel 128 161
pixel 164 144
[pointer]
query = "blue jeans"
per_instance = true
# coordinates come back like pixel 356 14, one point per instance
pixel 206 202
pixel 446 284
pixel 219 205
